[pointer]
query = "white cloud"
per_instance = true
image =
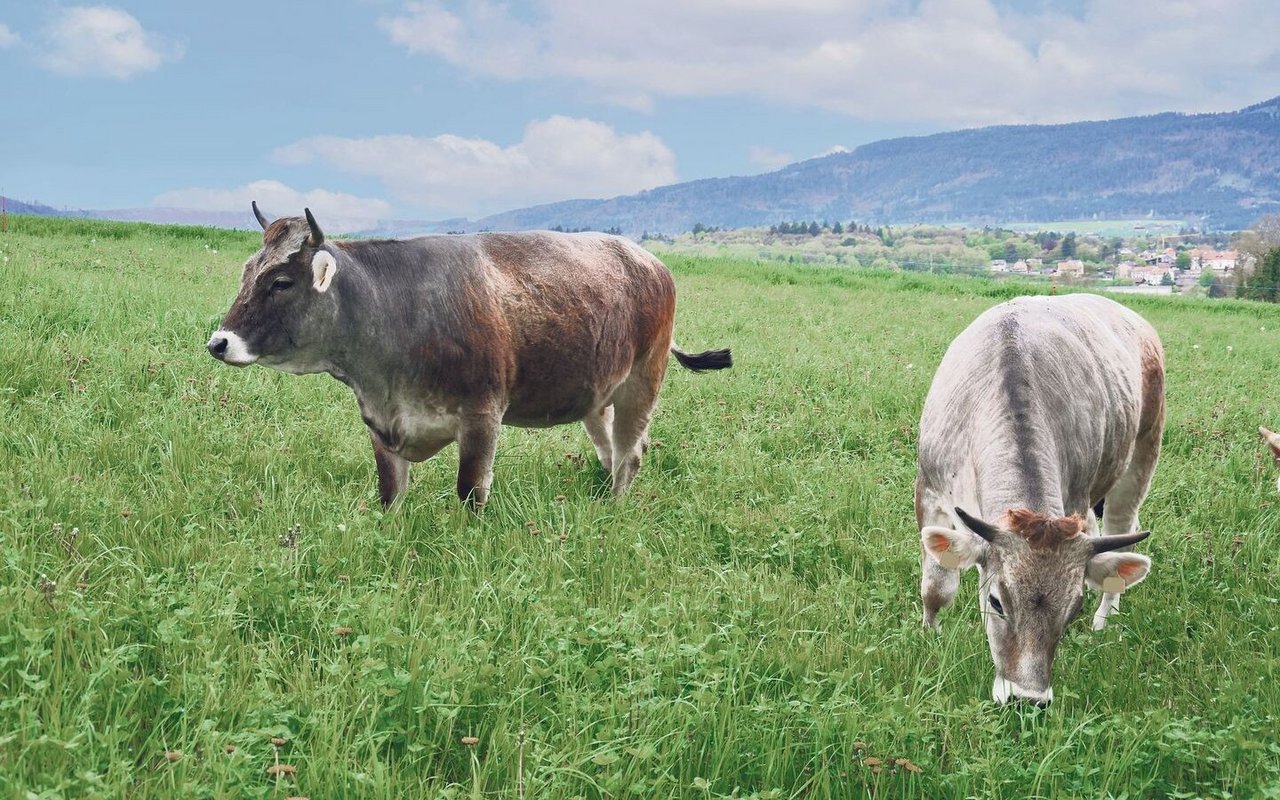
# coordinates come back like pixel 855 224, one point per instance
pixel 558 158
pixel 103 42
pixel 336 212
pixel 830 151
pixel 768 158
pixel 937 61
pixel 7 37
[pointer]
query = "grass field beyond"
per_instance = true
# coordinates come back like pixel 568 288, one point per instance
pixel 193 562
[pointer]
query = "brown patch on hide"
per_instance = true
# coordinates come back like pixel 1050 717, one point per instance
pixel 1152 360
pixel 276 231
pixel 1042 530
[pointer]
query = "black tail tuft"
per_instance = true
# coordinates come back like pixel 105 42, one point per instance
pixel 706 360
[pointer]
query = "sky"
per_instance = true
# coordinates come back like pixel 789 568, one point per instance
pixel 434 109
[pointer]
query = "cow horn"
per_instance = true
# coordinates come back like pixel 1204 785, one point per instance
pixel 317 236
pixel 1104 544
pixel 258 213
pixel 985 530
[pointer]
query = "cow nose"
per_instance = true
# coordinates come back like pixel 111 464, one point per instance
pixel 218 347
pixel 1040 702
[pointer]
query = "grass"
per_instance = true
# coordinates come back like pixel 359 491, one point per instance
pixel 192 562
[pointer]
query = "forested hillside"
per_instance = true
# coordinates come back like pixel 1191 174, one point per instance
pixel 1219 171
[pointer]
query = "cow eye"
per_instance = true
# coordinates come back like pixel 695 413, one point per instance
pixel 281 284
pixel 995 605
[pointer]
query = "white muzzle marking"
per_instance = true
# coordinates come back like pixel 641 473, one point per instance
pixel 1004 690
pixel 237 352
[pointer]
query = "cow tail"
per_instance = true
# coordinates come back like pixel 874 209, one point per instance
pixel 701 362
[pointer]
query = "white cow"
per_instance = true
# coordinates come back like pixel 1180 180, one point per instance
pixel 1041 408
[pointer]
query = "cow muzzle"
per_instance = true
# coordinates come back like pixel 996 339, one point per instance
pixel 1005 690
pixel 229 348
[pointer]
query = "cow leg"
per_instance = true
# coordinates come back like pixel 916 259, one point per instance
pixel 393 472
pixel 1120 511
pixel 633 406
pixel 477 444
pixel 938 585
pixel 598 424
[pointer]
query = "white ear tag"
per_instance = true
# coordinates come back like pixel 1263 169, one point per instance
pixel 1113 584
pixel 323 266
pixel 948 559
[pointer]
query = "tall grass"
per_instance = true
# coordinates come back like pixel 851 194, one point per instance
pixel 193 562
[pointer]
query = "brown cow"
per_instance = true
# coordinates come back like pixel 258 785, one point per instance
pixel 447 338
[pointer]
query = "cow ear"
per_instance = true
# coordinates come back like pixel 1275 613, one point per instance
pixel 1115 572
pixel 323 267
pixel 952 549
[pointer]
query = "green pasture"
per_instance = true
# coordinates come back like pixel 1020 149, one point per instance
pixel 193 562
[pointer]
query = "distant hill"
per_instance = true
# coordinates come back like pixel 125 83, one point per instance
pixel 12 206
pixel 1221 170
pixel 225 219
pixel 177 216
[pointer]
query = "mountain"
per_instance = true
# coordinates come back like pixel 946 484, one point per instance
pixel 12 206
pixel 1219 170
pixel 245 220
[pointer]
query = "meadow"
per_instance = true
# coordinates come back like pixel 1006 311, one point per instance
pixel 200 596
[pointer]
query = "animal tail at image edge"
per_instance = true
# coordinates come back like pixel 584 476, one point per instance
pixel 706 360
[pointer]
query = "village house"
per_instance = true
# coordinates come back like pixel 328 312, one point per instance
pixel 1220 261
pixel 1151 274
pixel 999 265
pixel 1071 268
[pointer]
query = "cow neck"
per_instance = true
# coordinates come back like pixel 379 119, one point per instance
pixel 1006 476
pixel 362 317
pixel 1018 465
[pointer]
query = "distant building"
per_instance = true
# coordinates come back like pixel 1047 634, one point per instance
pixel 1151 275
pixel 1071 267
pixel 999 265
pixel 1217 260
pixel 1124 270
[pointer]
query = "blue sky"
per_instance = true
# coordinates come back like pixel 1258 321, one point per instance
pixel 431 109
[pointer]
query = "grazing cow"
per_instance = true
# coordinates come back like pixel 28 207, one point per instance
pixel 1041 408
pixel 1273 439
pixel 446 338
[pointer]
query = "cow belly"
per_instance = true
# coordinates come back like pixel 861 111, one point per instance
pixel 553 408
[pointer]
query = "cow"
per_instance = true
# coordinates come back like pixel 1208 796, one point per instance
pixel 1041 408
pixel 1273 440
pixel 446 338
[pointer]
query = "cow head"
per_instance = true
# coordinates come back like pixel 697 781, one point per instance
pixel 284 309
pixel 1273 439
pixel 1032 570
